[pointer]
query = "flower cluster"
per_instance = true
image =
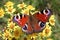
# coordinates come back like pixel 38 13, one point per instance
pixel 14 32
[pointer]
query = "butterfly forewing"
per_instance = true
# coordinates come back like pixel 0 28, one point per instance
pixel 24 23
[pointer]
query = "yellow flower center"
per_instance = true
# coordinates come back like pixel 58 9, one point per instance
pixel 22 5
pixel 47 31
pixel 10 9
pixel 52 21
pixel 16 33
pixel 11 26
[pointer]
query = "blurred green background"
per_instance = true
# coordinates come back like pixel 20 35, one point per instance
pixel 54 5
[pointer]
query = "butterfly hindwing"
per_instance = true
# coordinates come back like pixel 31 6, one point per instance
pixel 42 19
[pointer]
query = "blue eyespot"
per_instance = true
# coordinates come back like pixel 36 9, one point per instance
pixel 25 28
pixel 41 24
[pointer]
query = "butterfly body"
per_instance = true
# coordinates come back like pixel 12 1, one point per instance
pixel 31 23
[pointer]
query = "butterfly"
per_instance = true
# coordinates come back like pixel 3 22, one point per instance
pixel 32 23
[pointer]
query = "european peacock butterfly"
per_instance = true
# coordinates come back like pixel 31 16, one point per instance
pixel 32 23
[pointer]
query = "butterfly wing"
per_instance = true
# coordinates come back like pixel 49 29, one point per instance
pixel 42 19
pixel 22 21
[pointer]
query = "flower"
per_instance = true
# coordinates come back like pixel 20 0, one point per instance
pixel 6 34
pixel 32 36
pixel 9 7
pixel 21 5
pixel 30 7
pixel 1 12
pixel 17 32
pixel 10 26
pixel 52 20
pixel 10 10
pixel 9 4
pixel 47 31
pixel 25 11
